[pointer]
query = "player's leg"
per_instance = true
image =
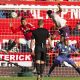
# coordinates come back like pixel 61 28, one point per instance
pixel 71 62
pixel 65 31
pixel 57 61
pixel 75 67
pixel 38 61
pixel 40 68
pixel 43 59
pixel 34 64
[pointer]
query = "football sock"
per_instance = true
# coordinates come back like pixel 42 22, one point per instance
pixel 42 68
pixel 38 68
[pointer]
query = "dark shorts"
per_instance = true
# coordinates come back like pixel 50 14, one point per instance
pixel 40 53
pixel 61 59
pixel 65 31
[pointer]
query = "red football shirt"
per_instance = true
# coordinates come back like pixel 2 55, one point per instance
pixel 23 29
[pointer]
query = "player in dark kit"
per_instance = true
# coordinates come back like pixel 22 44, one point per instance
pixel 64 55
pixel 40 35
pixel 60 23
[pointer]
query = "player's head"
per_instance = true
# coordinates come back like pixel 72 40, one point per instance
pixel 62 39
pixel 66 42
pixel 23 21
pixel 40 23
pixel 49 12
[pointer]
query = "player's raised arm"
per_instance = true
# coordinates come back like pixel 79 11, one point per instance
pixel 60 9
pixel 50 12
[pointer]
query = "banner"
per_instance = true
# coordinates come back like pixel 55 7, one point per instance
pixel 22 59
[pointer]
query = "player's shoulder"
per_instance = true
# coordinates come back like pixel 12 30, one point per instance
pixel 30 25
pixel 45 29
pixel 72 46
pixel 35 31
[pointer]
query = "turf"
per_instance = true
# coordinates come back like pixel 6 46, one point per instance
pixel 44 78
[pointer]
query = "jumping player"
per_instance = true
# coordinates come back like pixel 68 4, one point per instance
pixel 26 28
pixel 60 23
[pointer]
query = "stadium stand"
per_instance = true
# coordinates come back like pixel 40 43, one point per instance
pixel 5 33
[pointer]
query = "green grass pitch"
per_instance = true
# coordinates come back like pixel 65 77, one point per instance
pixel 44 78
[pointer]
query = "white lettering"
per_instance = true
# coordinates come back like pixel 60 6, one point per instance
pixel 17 57
pixel 28 57
pixel 34 13
pixel 21 57
pixel 6 57
pixel 12 57
pixel 74 13
pixel 38 14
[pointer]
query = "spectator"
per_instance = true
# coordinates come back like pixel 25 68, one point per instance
pixel 2 14
pixel 76 30
pixel 7 13
pixel 9 46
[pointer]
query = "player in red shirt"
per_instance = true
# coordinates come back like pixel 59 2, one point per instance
pixel 26 28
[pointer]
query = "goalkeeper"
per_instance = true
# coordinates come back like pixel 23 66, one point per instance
pixel 64 55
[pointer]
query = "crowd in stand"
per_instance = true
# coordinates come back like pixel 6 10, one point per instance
pixel 7 13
